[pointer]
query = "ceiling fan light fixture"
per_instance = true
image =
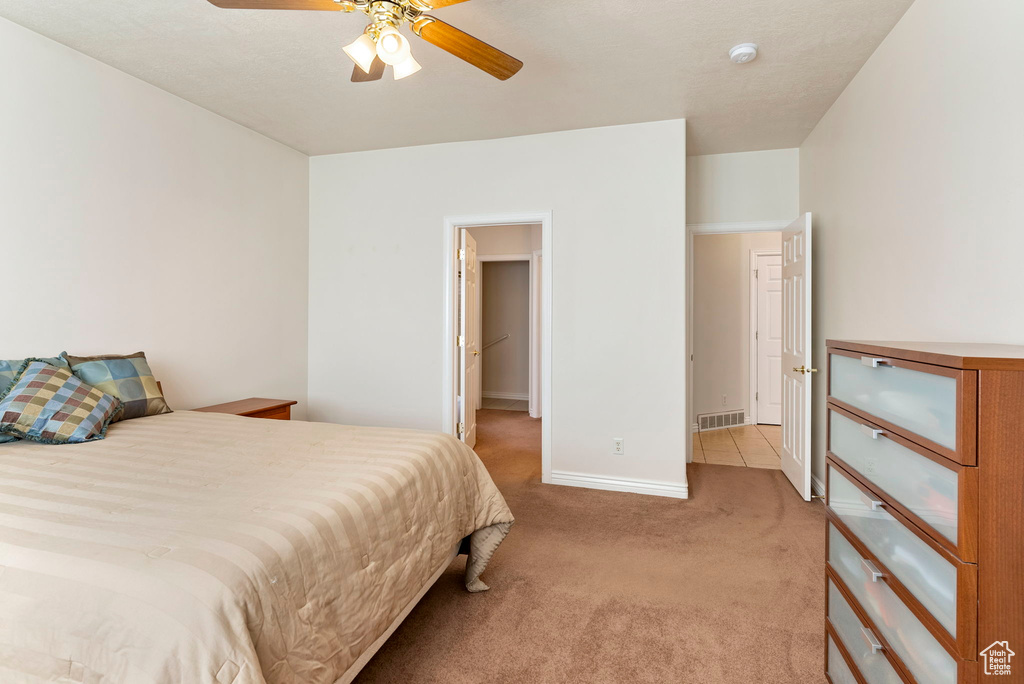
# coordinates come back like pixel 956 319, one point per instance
pixel 407 67
pixel 362 52
pixel 392 47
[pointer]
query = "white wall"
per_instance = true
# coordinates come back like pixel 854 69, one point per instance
pixel 916 180
pixel 377 285
pixel 721 319
pixel 131 219
pixel 522 238
pixel 505 291
pixel 743 186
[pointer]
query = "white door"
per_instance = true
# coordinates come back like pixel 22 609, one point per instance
pixel 769 339
pixel 797 371
pixel 469 343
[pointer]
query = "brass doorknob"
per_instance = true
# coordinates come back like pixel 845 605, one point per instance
pixel 803 369
pixel 476 353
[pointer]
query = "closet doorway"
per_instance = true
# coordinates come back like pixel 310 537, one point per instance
pixel 499 335
pixel 765 306
pixel 506 330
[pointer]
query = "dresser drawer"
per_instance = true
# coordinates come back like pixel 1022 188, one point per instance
pixel 860 643
pixel 931 405
pixel 933 492
pixel 932 581
pixel 893 623
pixel 836 667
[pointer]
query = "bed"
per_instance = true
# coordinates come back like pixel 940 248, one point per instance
pixel 201 547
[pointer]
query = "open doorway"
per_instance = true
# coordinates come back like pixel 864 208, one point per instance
pixel 718 432
pixel 506 329
pixel 737 349
pixel 498 333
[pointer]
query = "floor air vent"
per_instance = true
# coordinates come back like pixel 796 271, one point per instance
pixel 715 421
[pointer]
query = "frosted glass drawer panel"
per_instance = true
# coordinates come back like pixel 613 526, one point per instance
pixel 925 657
pixel 871 663
pixel 929 577
pixel 838 671
pixel 926 488
pixel 923 403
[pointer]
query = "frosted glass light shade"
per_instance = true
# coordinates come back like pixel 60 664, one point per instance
pixel 392 47
pixel 408 67
pixel 362 52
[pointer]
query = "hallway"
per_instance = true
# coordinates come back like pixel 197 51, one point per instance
pixel 752 446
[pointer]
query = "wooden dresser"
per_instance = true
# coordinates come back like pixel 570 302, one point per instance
pixel 925 517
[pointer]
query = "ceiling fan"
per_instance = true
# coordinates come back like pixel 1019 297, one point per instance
pixel 383 45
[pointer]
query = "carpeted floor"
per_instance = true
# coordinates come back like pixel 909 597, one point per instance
pixel 594 586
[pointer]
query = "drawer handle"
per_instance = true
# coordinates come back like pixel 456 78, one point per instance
pixel 873 642
pixel 872 570
pixel 871 432
pixel 875 504
pixel 874 362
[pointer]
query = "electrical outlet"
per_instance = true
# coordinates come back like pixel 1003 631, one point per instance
pixel 618 446
pixel 725 401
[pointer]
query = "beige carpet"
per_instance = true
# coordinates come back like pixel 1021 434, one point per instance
pixel 594 586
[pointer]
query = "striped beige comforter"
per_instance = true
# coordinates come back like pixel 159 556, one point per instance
pixel 198 547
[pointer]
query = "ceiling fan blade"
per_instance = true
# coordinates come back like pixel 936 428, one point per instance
pixel 376 71
pixel 327 5
pixel 466 47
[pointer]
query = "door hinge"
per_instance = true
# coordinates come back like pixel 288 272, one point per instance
pixel 757 395
pixel 462 429
pixel 460 254
pixel 755 274
pixel 756 333
pixel 461 341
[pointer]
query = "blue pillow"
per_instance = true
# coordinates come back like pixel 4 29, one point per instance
pixel 129 378
pixel 50 405
pixel 8 369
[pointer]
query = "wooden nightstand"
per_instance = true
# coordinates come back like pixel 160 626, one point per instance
pixel 256 407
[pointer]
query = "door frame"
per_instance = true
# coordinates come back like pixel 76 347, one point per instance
pixel 536 326
pixel 449 352
pixel 752 328
pixel 693 229
pixel 533 329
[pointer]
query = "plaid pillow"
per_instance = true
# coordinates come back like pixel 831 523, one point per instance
pixel 8 369
pixel 50 405
pixel 128 378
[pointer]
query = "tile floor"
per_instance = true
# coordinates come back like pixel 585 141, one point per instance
pixel 751 446
pixel 506 404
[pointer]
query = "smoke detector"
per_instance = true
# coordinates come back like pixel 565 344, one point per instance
pixel 743 53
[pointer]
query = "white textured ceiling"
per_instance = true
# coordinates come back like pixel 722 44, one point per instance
pixel 588 63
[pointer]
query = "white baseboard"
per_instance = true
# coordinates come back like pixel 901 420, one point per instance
pixel 817 486
pixel 650 487
pixel 506 395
